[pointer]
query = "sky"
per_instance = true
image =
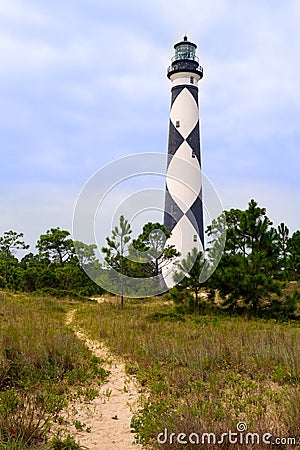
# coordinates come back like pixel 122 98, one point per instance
pixel 83 83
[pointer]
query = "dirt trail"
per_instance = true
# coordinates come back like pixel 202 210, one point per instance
pixel 107 418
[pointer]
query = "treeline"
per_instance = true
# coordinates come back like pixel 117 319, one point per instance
pixel 258 272
pixel 55 267
pixel 60 265
pixel 258 264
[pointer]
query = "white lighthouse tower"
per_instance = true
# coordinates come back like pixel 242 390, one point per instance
pixel 183 211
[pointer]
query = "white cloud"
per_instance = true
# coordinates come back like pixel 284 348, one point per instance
pixel 34 56
pixel 84 83
pixel 190 17
pixel 20 11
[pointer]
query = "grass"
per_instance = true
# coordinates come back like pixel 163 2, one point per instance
pixel 204 373
pixel 41 363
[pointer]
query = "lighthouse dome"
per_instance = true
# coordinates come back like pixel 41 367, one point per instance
pixel 185 59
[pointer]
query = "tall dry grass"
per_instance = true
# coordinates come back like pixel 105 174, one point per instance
pixel 205 373
pixel 40 360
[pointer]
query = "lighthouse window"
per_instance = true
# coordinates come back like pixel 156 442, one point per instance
pixel 177 123
pixel 193 155
pixel 195 238
pixel 185 51
pixel 192 80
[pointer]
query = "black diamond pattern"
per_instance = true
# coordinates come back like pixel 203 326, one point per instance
pixel 175 92
pixel 195 216
pixel 173 213
pixel 193 140
pixel 175 139
pixel 194 91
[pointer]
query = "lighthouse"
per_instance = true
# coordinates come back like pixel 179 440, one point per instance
pixel 183 210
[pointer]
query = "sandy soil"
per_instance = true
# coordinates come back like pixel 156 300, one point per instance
pixel 107 418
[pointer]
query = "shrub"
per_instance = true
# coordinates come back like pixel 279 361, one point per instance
pixel 26 418
pixel 68 443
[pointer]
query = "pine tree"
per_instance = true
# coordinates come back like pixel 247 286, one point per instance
pixel 246 275
pixel 117 250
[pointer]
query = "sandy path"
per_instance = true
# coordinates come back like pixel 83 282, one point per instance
pixel 107 417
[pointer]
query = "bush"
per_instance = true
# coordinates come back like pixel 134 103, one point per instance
pixel 68 443
pixel 203 373
pixel 40 358
pixel 26 418
pixel 285 308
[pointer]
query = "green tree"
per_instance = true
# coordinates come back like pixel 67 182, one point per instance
pixel 56 245
pixel 85 253
pixel 282 239
pixel 33 266
pixel 10 242
pixel 58 274
pixel 117 250
pixel 293 248
pixel 150 251
pixel 187 279
pixel 245 275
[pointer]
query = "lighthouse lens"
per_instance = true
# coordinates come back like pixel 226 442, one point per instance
pixel 185 51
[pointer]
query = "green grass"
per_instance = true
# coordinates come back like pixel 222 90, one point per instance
pixel 204 373
pixel 42 363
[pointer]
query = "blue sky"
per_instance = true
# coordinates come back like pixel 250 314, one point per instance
pixel 84 82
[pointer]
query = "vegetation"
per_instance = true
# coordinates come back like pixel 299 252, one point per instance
pixel 150 246
pixel 188 287
pixel 142 258
pixel 42 363
pixel 257 263
pixel 209 354
pixel 116 251
pixel 204 372
pixel 55 268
